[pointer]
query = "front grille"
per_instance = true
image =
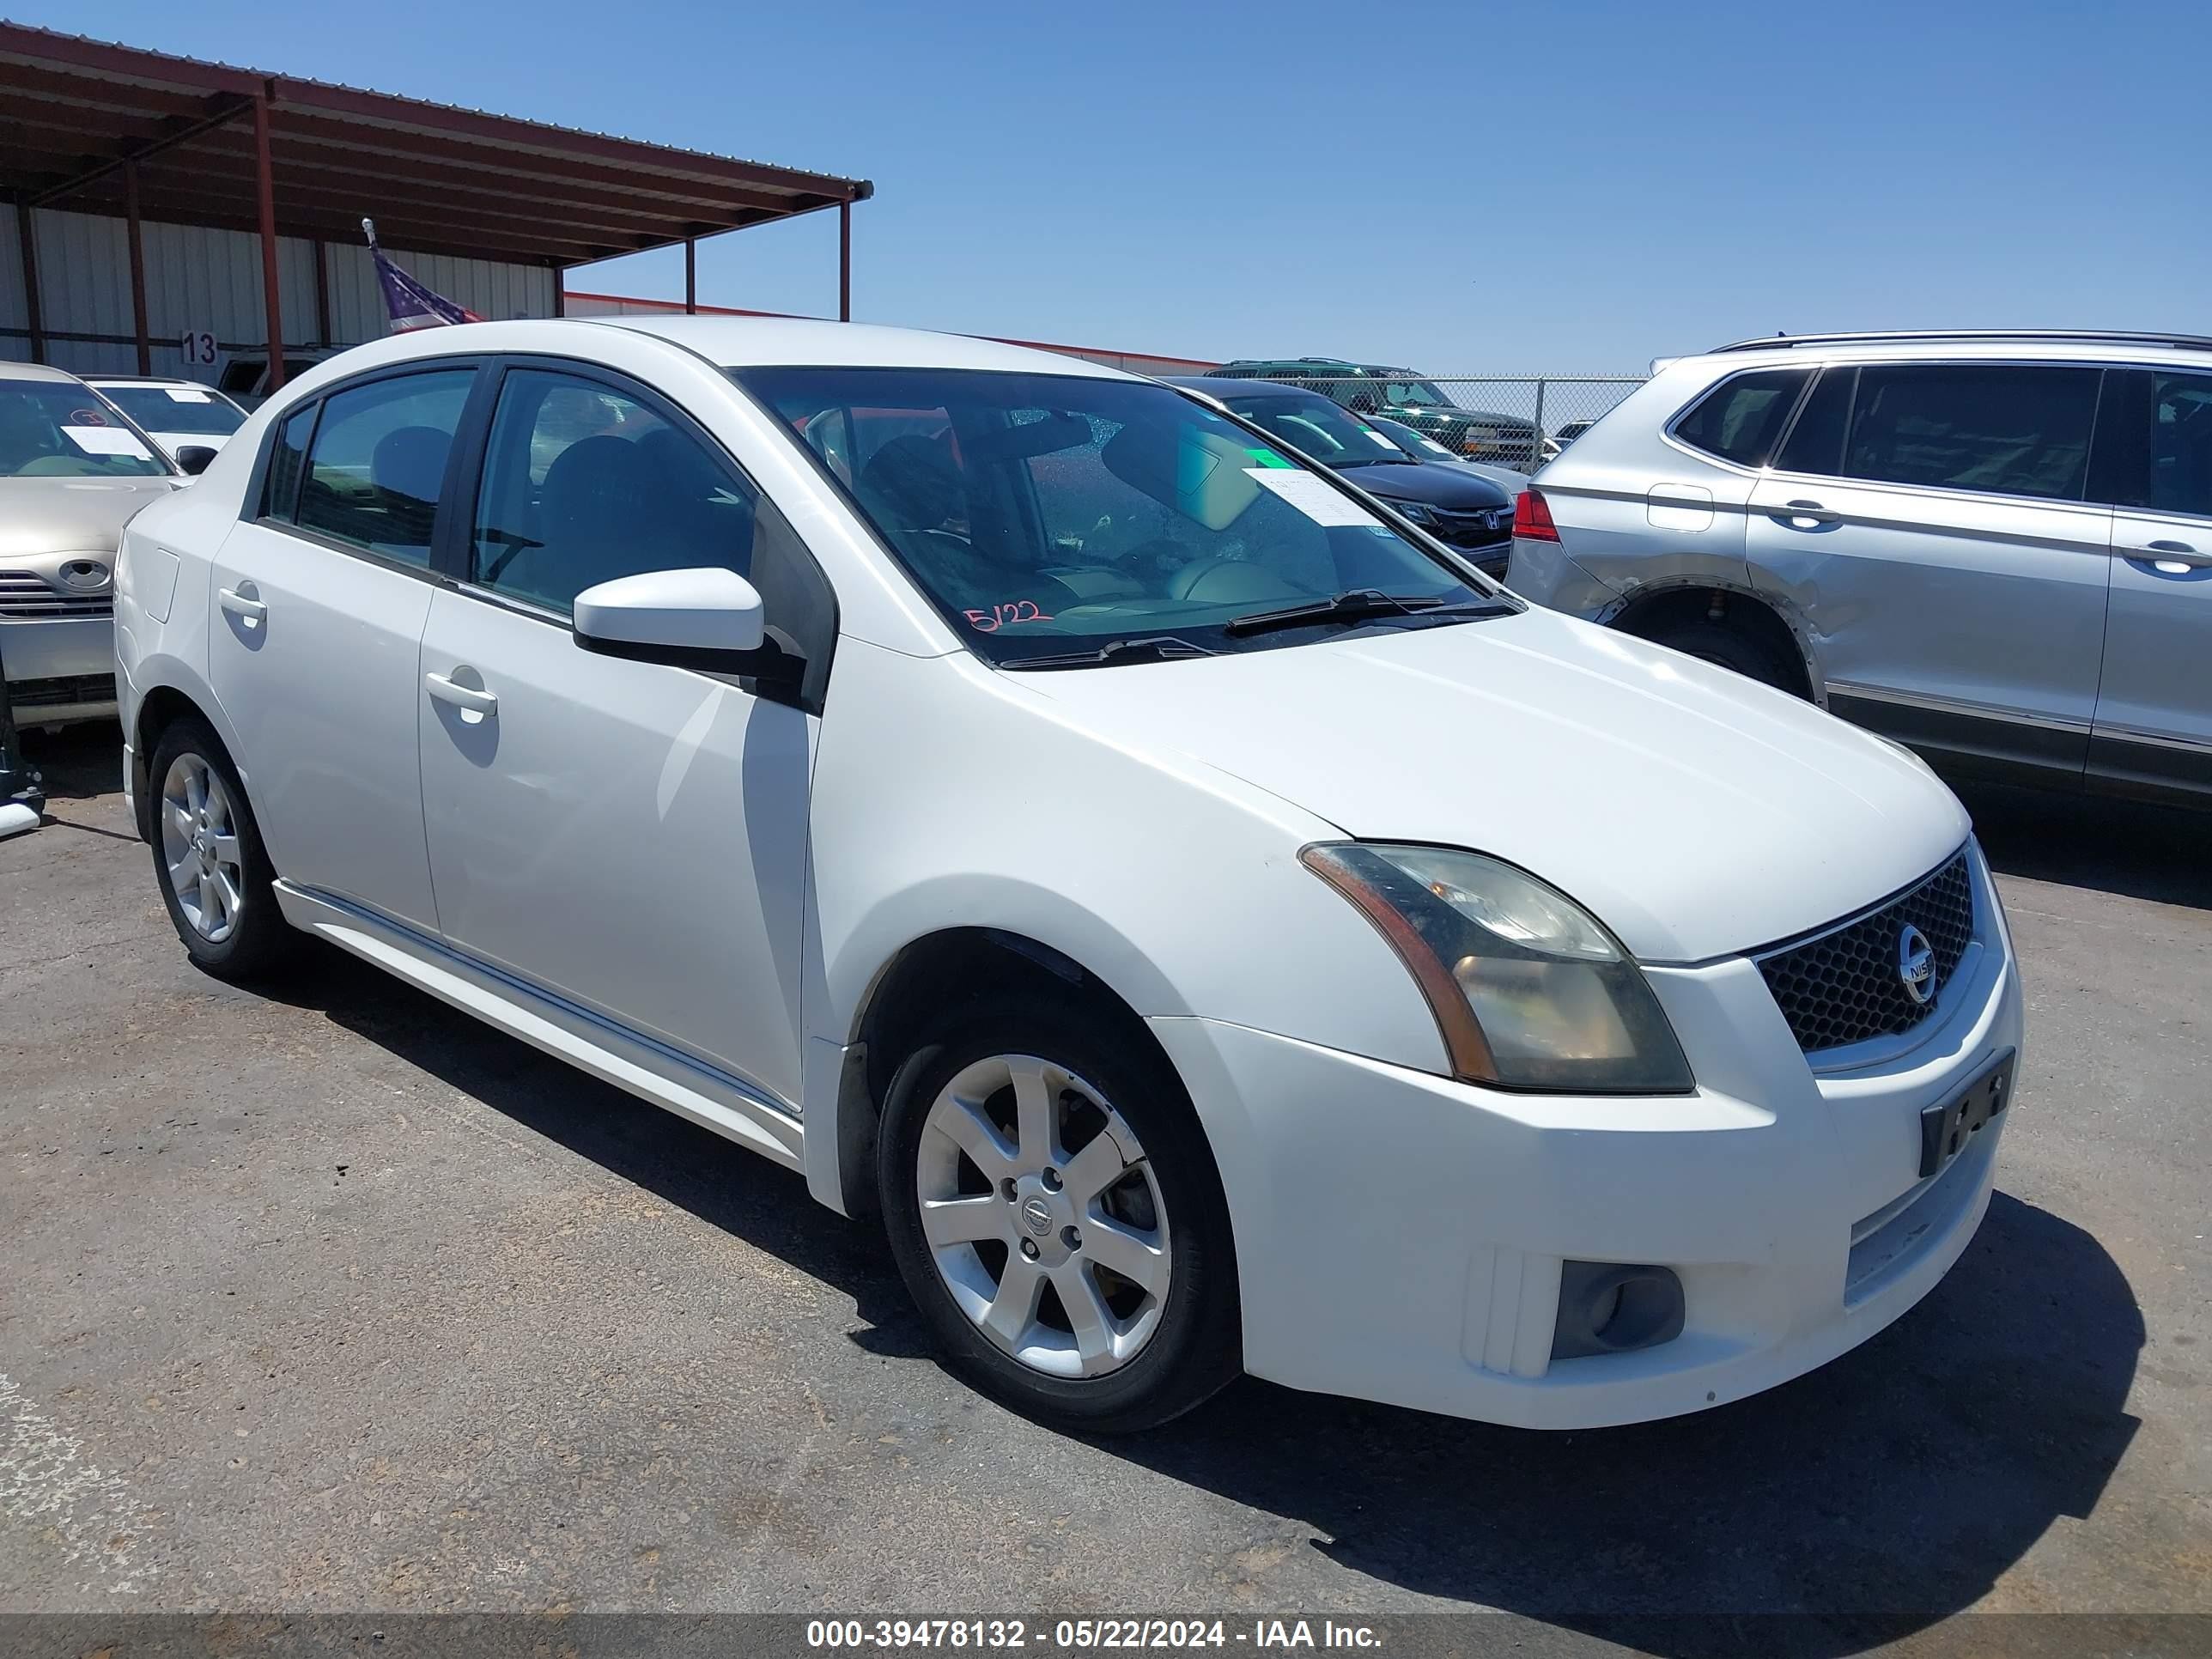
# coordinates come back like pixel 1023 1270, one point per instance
pixel 24 597
pixel 1843 985
pixel 1491 527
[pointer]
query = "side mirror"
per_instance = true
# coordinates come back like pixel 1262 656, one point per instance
pixel 193 458
pixel 707 618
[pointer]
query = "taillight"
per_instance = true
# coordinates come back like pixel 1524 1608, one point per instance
pixel 1532 518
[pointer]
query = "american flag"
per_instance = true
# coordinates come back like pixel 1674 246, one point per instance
pixel 411 304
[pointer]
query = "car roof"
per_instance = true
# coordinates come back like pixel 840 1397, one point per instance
pixel 1320 368
pixel 36 372
pixel 2062 345
pixel 742 342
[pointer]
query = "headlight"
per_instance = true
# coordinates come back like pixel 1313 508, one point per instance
pixel 1414 512
pixel 1528 989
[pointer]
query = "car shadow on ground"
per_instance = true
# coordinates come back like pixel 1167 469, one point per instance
pixel 2131 849
pixel 76 761
pixel 1868 1500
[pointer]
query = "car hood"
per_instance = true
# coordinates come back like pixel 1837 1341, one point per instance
pixel 71 515
pixel 1697 813
pixel 1438 484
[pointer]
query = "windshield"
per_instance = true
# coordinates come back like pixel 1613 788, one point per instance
pixel 177 409
pixel 1050 515
pixel 55 429
pixel 1316 427
pixel 1413 443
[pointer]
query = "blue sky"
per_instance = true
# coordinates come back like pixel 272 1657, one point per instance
pixel 1464 187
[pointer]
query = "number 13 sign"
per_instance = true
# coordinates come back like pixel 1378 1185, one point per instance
pixel 199 349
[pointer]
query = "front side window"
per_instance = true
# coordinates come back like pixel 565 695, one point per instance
pixel 379 462
pixel 583 483
pixel 1049 514
pixel 1740 419
pixel 57 429
pixel 2011 428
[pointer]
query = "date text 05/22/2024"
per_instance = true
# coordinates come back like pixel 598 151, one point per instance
pixel 1086 1635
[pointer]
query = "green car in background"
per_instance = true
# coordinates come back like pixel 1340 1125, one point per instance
pixel 1480 434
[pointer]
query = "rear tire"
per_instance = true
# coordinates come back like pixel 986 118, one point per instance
pixel 1051 1153
pixel 209 861
pixel 1728 647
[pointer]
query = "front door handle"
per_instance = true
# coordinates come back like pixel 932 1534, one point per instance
pixel 1807 512
pixel 244 606
pixel 2168 553
pixel 467 698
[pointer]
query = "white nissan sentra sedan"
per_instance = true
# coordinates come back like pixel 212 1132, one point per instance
pixel 1212 925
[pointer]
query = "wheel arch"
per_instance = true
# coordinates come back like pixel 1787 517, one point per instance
pixel 175 691
pixel 930 978
pixel 1647 610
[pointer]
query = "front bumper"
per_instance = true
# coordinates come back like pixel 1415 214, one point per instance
pixel 1399 1237
pixel 59 670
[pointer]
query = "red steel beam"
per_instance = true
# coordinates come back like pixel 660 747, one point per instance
pixel 844 262
pixel 265 195
pixel 322 334
pixel 692 276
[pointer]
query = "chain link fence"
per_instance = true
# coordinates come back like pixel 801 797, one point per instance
pixel 1514 421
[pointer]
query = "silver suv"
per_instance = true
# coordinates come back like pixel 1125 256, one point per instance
pixel 1993 546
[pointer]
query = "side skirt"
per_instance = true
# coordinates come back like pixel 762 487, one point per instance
pixel 710 1098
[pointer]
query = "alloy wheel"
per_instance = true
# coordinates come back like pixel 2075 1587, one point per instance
pixel 199 845
pixel 1042 1216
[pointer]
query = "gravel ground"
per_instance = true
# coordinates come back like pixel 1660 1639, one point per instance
pixel 330 1299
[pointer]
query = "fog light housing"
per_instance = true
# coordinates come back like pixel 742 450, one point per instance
pixel 1609 1307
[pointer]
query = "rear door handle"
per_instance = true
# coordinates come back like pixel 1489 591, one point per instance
pixel 2180 553
pixel 244 606
pixel 464 697
pixel 1792 511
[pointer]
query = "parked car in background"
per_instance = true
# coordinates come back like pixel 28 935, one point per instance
pixel 1994 546
pixel 177 414
pixel 1459 507
pixel 1372 389
pixel 1215 930
pixel 73 470
pixel 1421 447
pixel 244 375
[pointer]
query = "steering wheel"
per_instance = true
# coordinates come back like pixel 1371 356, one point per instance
pixel 1223 580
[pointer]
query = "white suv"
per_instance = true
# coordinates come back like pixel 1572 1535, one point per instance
pixel 1212 925
pixel 1994 546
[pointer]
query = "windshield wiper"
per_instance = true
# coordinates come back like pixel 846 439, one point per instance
pixel 1354 605
pixel 1163 647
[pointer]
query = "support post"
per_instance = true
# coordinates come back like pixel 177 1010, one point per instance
pixel 560 289
pixel 135 237
pixel 323 336
pixel 844 262
pixel 33 317
pixel 265 185
pixel 690 276
pixel 1536 437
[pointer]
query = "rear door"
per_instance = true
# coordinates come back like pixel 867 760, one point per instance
pixel 2154 720
pixel 316 633
pixel 1928 523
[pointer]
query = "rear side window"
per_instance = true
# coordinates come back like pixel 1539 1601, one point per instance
pixel 286 461
pixel 1740 419
pixel 2011 429
pixel 378 461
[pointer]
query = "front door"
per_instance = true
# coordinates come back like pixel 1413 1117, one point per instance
pixel 1927 522
pixel 629 836
pixel 2154 707
pixel 315 634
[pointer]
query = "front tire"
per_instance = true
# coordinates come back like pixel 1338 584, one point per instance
pixel 1727 647
pixel 1054 1210
pixel 209 861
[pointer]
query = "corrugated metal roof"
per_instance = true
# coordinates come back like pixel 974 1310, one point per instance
pixel 437 178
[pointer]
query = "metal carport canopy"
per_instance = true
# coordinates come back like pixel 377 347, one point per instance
pixel 90 125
